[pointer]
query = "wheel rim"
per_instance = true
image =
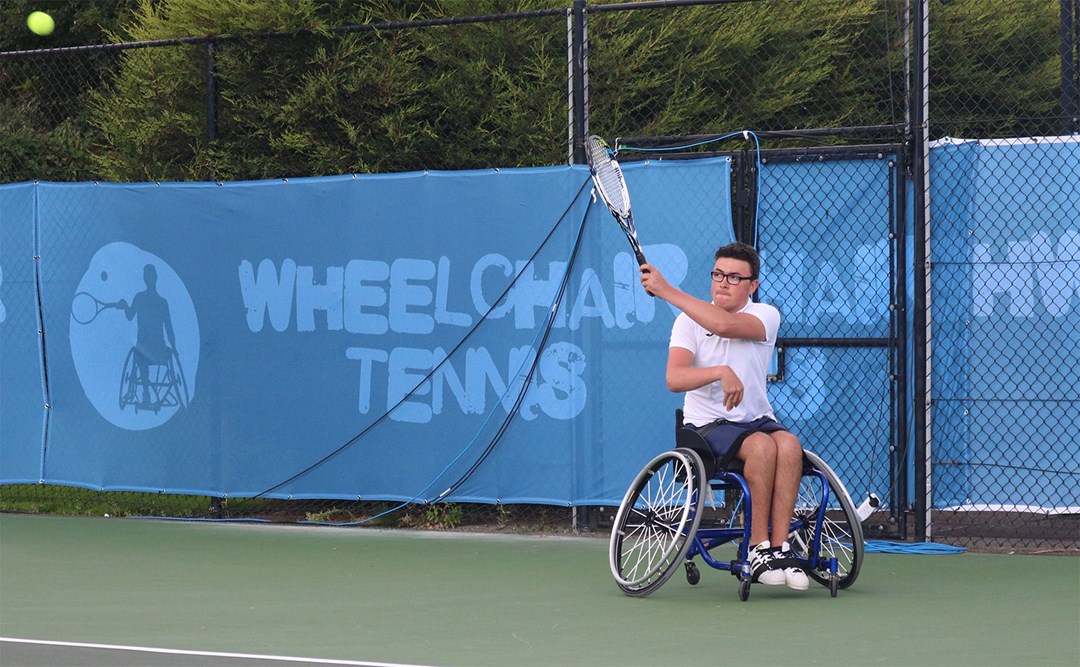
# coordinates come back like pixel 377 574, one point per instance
pixel 656 520
pixel 841 533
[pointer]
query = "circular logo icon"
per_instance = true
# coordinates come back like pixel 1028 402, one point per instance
pixel 134 337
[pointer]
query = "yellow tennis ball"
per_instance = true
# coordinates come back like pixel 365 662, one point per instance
pixel 40 23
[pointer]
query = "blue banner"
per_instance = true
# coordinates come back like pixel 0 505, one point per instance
pixel 457 335
pixel 482 336
pixel 1006 323
pixel 22 389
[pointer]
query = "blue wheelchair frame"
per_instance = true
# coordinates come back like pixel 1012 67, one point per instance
pixel 657 527
pixel 707 539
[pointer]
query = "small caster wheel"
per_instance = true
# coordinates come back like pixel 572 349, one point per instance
pixel 834 584
pixel 693 575
pixel 744 589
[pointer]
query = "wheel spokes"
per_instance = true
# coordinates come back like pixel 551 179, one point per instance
pixel 653 528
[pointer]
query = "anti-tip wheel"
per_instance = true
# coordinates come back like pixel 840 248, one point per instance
pixel 693 575
pixel 744 589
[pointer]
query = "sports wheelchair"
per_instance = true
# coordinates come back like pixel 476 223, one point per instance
pixel 155 384
pixel 659 525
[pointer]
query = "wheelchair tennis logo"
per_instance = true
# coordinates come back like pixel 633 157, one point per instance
pixel 134 337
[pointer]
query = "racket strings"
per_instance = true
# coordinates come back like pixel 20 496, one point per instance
pixel 608 177
pixel 614 187
pixel 85 307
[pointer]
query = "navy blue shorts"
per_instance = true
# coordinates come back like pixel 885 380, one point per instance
pixel 726 437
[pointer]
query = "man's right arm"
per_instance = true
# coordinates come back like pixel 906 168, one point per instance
pixel 714 319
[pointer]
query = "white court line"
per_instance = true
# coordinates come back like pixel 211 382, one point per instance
pixel 205 654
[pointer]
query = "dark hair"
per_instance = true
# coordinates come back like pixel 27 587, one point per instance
pixel 743 252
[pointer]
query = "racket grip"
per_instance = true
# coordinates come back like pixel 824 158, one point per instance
pixel 641 262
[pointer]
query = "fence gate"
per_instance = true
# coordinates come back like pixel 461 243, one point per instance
pixel 828 226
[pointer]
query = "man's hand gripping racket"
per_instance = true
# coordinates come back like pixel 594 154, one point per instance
pixel 608 178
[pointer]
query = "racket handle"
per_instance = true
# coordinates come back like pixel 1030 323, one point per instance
pixel 641 262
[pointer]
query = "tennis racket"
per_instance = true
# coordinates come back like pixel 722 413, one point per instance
pixel 85 308
pixel 608 178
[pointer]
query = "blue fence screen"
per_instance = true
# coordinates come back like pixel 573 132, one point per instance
pixel 345 337
pixel 1005 293
pixel 481 335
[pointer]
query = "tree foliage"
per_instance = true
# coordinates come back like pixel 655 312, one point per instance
pixel 313 99
pixel 993 71
pixel 43 111
pixel 755 66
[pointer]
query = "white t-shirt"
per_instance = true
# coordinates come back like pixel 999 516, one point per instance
pixel 749 359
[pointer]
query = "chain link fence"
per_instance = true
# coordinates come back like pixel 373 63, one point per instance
pixel 829 224
pixel 1004 268
pixel 1006 409
pixel 827 87
pixel 814 73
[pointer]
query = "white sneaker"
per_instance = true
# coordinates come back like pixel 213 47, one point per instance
pixel 794 577
pixel 761 565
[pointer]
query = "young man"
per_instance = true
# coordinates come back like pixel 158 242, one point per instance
pixel 719 355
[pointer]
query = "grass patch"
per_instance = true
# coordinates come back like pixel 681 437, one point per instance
pixel 76 501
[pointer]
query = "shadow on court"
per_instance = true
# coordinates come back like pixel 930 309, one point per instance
pixel 366 596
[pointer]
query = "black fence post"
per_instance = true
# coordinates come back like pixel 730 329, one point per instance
pixel 1070 66
pixel 580 55
pixel 901 508
pixel 211 93
pixel 746 197
pixel 921 401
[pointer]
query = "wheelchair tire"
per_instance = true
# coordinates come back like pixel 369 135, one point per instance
pixel 180 386
pixel 656 522
pixel 841 534
pixel 129 385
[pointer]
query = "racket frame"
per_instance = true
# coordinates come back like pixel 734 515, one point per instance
pixel 601 160
pixel 99 305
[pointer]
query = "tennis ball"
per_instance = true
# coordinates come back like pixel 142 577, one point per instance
pixel 40 23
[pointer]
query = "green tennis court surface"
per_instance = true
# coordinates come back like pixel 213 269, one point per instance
pixel 365 596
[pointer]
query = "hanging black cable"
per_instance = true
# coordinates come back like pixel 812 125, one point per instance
pixel 439 365
pixel 532 367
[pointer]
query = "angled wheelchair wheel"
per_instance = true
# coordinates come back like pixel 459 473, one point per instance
pixel 841 532
pixel 129 381
pixel 656 522
pixel 178 385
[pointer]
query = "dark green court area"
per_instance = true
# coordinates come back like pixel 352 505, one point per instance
pixel 460 599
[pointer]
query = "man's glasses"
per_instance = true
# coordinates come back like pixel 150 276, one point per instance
pixel 731 278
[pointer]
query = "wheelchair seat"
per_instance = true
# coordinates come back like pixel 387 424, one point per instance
pixel 688 438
